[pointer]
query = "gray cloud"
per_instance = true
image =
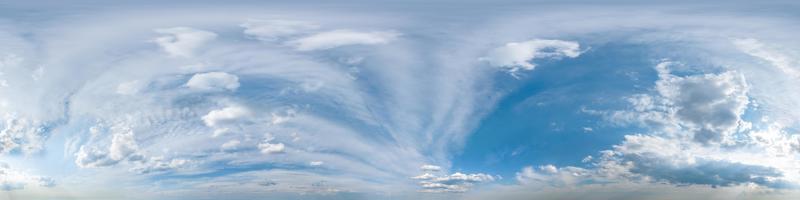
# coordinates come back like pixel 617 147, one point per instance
pixel 706 172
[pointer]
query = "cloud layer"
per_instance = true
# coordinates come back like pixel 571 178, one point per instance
pixel 285 101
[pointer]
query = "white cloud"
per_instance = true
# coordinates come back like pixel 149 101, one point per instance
pixel 517 56
pixel 549 175
pixel 159 164
pixel 267 147
pixel 432 168
pixel 272 30
pixel 46 182
pixel 282 117
pixel 225 115
pixel 342 37
pixel 230 145
pixel 271 148
pixel 130 87
pixel 316 163
pixel 697 137
pixel 221 131
pixel 587 159
pixel 90 157
pixel 757 49
pixel 183 41
pixel 425 176
pixel 123 147
pixel 709 106
pixel 212 81
pixel 456 182
pixel 427 100
pixel 20 134
pixel 15 179
pixel 550 169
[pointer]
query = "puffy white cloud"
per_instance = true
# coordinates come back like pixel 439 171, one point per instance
pixel 212 81
pixel 182 41
pixel 272 30
pixel 709 106
pixel 456 182
pixel 697 137
pixel 517 56
pixel 123 147
pixel 90 157
pixel 19 134
pixel 225 115
pixel 342 37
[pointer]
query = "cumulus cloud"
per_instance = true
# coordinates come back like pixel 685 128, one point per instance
pixel 621 166
pixel 89 157
pixel 709 106
pixel 517 56
pixel 212 81
pixel 182 41
pixel 123 147
pixel 676 162
pixel 456 182
pixel 19 134
pixel 342 37
pixel 225 115
pixel 698 137
pixel 272 30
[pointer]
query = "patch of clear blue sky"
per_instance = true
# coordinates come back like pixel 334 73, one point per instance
pixel 541 121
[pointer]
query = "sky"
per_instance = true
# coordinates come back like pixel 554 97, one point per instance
pixel 179 100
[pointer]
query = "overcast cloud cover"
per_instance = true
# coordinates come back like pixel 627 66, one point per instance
pixel 399 100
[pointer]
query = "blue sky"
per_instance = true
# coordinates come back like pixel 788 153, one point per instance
pixel 399 100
